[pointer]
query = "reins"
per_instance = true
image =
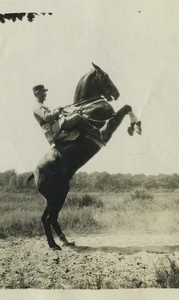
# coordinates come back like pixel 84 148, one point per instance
pixel 84 102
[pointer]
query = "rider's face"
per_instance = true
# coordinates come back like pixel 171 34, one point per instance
pixel 42 96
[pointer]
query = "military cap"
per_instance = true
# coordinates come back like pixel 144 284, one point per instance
pixel 39 88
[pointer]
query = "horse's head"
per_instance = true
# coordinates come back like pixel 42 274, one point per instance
pixel 105 84
pixel 95 84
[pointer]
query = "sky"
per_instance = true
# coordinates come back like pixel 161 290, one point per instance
pixel 135 41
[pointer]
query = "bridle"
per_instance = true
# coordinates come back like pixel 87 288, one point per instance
pixel 105 84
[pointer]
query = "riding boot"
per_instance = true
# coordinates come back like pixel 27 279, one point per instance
pixel 105 132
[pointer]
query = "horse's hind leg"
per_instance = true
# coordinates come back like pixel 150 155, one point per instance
pixel 48 215
pixel 46 220
pixel 55 201
pixel 54 211
pixel 59 231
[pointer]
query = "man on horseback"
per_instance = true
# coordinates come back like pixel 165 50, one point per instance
pixel 93 94
pixel 59 127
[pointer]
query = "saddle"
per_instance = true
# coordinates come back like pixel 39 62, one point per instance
pixel 98 110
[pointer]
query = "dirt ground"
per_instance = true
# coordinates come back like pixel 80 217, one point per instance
pixel 121 260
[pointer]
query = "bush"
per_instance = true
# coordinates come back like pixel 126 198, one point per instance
pixel 141 194
pixel 82 201
pixel 168 278
pixel 79 220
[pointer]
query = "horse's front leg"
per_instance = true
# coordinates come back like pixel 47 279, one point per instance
pixel 135 124
pixel 108 129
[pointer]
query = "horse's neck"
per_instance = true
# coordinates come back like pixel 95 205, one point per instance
pixel 86 88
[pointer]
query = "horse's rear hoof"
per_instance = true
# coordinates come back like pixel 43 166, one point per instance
pixel 55 247
pixel 68 244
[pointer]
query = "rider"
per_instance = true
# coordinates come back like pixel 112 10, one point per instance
pixel 57 126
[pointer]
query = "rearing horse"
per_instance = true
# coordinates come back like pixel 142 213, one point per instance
pixel 52 175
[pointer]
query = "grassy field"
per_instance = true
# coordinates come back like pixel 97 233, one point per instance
pixel 138 210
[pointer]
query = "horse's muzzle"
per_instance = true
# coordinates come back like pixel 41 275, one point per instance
pixel 116 95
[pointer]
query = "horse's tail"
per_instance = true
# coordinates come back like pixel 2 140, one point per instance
pixel 29 178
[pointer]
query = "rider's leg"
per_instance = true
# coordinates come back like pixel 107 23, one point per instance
pixel 105 131
pixel 76 121
pixel 71 122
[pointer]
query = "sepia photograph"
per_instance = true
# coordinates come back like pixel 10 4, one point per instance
pixel 89 165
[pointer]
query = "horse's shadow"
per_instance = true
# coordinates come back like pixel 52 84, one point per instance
pixel 128 250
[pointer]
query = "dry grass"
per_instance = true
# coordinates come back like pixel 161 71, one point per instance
pixel 95 213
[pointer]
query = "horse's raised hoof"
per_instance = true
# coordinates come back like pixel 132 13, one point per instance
pixel 68 244
pixel 130 130
pixel 55 247
pixel 138 129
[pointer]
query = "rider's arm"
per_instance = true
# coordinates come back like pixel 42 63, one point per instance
pixel 45 114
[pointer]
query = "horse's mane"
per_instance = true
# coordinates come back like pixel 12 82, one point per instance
pixel 82 85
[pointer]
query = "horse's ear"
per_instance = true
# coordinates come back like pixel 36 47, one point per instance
pixel 96 67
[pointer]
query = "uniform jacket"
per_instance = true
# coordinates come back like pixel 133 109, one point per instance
pixel 51 124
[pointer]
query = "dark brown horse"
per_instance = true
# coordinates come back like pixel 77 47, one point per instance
pixel 92 99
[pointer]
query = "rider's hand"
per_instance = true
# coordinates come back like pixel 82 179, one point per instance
pixel 59 109
pixel 56 113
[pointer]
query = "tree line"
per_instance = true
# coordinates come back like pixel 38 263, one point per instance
pixel 97 181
